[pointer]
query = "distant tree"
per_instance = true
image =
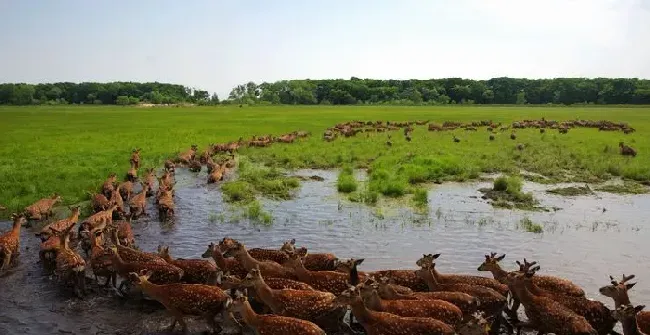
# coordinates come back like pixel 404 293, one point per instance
pixel 122 100
pixel 214 99
pixel 134 101
pixel 521 98
pixel 23 94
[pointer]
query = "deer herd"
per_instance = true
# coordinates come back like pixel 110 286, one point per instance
pixel 289 290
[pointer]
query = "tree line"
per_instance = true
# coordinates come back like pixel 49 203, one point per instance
pixel 500 91
pixel 113 93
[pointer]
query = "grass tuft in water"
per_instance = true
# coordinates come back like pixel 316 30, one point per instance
pixel 506 193
pixel 421 198
pixel 238 191
pixel 256 213
pixel 346 183
pixel 529 226
pixel 572 191
pixel 255 179
pixel 628 187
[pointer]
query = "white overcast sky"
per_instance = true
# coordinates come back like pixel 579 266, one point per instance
pixel 215 45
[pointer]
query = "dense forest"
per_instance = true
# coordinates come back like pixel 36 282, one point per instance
pixel 565 91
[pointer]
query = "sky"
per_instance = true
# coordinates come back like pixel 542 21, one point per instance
pixel 217 44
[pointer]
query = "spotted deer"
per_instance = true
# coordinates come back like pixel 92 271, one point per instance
pixel 166 206
pixel 99 201
pixel 437 309
pixel 312 305
pixel 553 284
pixel 595 312
pixel 462 279
pixel 116 199
pixel 274 283
pixel 465 302
pixel 382 323
pixel 626 150
pixel 100 261
pixel 135 158
pixel 547 315
pixel 170 167
pixel 63 225
pixel 617 290
pixel 126 190
pixel 70 266
pixel 328 281
pixel 195 271
pixel 187 156
pixel 230 265
pixel 490 301
pixel 182 300
pixel 124 232
pixel 10 242
pixel 161 273
pixel 138 203
pixel 272 324
pixel 129 254
pixel 149 178
pixel 109 185
pixel 628 316
pixel 42 209
pixel 268 268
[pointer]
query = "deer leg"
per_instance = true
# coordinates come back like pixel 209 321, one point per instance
pixel 6 260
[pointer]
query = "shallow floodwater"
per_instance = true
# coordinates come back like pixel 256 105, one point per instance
pixel 586 239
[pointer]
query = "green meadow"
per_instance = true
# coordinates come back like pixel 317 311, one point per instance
pixel 71 149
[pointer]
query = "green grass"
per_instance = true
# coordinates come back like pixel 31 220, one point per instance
pixel 346 182
pixel 572 191
pixel 71 149
pixel 255 179
pixel 626 187
pixel 506 193
pixel 529 226
pixel 420 197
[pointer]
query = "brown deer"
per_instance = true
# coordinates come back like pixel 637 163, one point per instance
pixel 116 199
pixel 99 201
pixel 274 283
pixel 185 299
pixel 194 165
pixel 216 174
pixel 70 266
pixel 436 309
pixel 382 323
pixel 124 232
pixel 462 279
pixel 63 225
pixel 129 254
pixel 315 306
pixel 150 179
pixel 272 324
pixel 166 205
pixel 546 315
pixel 268 268
pixel 135 158
pixel 195 271
pixel 626 150
pixel 551 283
pixel 618 292
pixel 467 303
pixel 318 261
pixel 170 166
pixel 328 281
pixel 595 312
pixel 98 221
pixel 49 249
pixel 100 261
pixel 162 273
pixel 138 203
pixel 10 242
pixel 126 190
pixel 490 301
pixel 42 209
pixel 132 174
pixel 187 156
pixel 109 185
pixel 628 316
pixel 230 265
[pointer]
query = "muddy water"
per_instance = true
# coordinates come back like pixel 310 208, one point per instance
pixel 587 239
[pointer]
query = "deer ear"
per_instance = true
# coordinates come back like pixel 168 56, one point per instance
pixel 359 261
pixel 500 258
pixel 436 256
pixel 293 241
pixel 639 308
pixel 630 285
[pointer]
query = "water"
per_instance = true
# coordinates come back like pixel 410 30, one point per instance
pixel 581 241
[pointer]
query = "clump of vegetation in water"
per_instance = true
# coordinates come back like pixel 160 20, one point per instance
pixel 530 226
pixel 627 187
pixel 254 179
pixel 421 198
pixel 346 182
pixel 256 213
pixel 365 196
pixel 572 190
pixel 506 193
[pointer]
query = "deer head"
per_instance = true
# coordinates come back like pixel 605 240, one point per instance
pixel 618 290
pixel 427 260
pixel 491 262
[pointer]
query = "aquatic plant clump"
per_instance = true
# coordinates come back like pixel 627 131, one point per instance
pixel 346 183
pixel 572 191
pixel 254 179
pixel 506 193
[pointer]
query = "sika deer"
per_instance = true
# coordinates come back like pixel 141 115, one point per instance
pixel 546 315
pixel 132 175
pixel 135 158
pixel 597 314
pixel 405 278
pixel 553 284
pixel 436 309
pixel 124 232
pixel 216 174
pixel 138 203
pixel 618 292
pixel 170 167
pixel 230 265
pixel 274 283
pixel 149 179
pixel 162 273
pixel 195 271
pixel 10 242
pixel 462 279
pixel 70 266
pixel 628 315
pixel 268 268
pixel 185 299
pixel 381 323
pixel 64 225
pixel 126 190
pixel 109 185
pixel 318 261
pixel 42 209
pixel 188 155
pixel 116 199
pixel 165 205
pixel 100 261
pixel 490 301
pixel 99 201
pixel 132 255
pixel 328 281
pixel 98 221
pixel 272 324
pixel 315 306
pixel 465 302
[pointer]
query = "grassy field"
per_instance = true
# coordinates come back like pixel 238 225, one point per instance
pixel 71 149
